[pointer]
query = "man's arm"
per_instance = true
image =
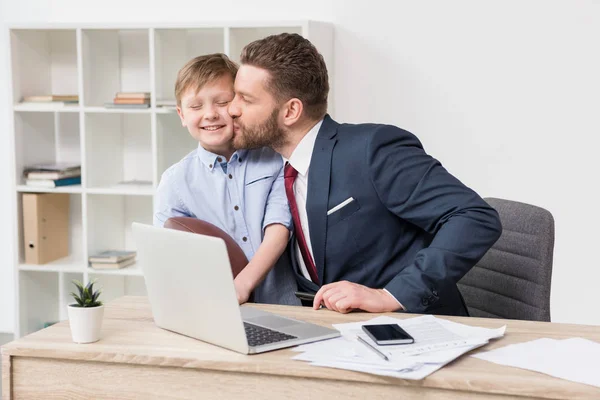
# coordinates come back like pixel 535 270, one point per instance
pixel 167 202
pixel 416 188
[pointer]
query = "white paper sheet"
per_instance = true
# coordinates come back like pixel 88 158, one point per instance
pixel 436 344
pixel 574 359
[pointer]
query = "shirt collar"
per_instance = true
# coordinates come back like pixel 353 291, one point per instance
pixel 302 154
pixel 210 159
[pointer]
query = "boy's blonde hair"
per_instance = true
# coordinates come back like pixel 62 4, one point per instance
pixel 201 70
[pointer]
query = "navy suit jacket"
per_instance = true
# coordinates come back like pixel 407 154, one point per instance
pixel 412 228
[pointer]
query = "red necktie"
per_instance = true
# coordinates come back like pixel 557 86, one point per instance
pixel 290 175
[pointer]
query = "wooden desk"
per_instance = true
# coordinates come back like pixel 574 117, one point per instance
pixel 136 360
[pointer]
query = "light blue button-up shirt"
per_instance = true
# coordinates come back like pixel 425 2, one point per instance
pixel 242 197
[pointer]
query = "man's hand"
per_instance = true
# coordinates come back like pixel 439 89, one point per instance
pixel 242 290
pixel 346 296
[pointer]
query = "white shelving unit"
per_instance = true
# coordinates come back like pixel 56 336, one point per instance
pixel 112 145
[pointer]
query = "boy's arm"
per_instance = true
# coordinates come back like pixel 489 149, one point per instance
pixel 167 202
pixel 277 223
pixel 273 245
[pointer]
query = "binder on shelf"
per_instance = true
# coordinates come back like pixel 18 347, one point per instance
pixel 45 227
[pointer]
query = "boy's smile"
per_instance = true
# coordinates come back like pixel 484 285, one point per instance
pixel 204 114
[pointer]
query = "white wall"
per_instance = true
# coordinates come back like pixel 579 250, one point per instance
pixel 504 93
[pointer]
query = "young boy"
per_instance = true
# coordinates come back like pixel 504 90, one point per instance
pixel 242 192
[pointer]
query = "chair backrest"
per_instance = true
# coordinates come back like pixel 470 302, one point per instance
pixel 237 258
pixel 513 278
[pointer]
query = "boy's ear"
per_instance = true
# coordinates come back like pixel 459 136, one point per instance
pixel 292 111
pixel 180 113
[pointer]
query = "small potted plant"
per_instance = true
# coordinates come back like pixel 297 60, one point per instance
pixel 85 315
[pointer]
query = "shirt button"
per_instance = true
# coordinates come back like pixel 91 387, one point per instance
pixel 245 239
pixel 209 165
pixel 230 176
pixel 236 208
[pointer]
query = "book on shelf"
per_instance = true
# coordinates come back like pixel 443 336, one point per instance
pixel 117 100
pixel 113 105
pixel 53 183
pixel 48 98
pixel 52 166
pixel 112 256
pixel 115 265
pixel 53 175
pixel 132 95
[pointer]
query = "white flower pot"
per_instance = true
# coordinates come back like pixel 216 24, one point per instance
pixel 86 323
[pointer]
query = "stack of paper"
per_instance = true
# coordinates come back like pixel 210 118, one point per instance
pixel 437 342
pixel 575 359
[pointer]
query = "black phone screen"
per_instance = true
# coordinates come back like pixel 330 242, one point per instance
pixel 387 333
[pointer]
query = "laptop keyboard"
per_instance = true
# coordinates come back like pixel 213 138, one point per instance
pixel 258 335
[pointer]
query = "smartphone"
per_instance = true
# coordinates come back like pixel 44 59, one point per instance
pixel 305 296
pixel 386 334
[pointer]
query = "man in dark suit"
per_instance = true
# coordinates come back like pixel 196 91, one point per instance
pixel 379 224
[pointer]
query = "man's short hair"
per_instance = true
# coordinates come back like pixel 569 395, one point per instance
pixel 201 70
pixel 296 69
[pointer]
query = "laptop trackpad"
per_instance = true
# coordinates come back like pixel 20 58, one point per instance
pixel 271 321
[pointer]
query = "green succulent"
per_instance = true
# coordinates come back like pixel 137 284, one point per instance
pixel 86 296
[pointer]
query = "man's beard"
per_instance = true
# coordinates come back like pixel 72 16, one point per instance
pixel 267 134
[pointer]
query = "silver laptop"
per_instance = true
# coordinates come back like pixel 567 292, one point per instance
pixel 191 292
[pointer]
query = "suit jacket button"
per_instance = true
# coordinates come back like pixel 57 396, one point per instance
pixel 434 292
pixel 425 302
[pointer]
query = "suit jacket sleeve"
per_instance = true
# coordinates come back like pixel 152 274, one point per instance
pixel 416 188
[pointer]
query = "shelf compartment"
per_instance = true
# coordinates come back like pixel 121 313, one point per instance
pixel 45 137
pixel 173 141
pixel 75 261
pixel 44 62
pixel 114 60
pixel 110 219
pixel 118 149
pixel 175 47
pixel 39 300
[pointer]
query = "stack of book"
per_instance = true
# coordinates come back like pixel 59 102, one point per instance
pixel 112 259
pixel 130 100
pixel 64 99
pixel 51 175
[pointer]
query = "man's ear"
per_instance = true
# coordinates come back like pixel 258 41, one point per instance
pixel 180 113
pixel 292 111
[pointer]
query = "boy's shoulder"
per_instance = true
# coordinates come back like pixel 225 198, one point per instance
pixel 181 167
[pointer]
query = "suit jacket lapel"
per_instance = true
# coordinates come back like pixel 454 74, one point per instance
pixel 319 174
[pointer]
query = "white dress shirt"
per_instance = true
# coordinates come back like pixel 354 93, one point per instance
pixel 300 160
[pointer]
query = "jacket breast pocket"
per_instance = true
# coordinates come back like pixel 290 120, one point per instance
pixel 342 211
